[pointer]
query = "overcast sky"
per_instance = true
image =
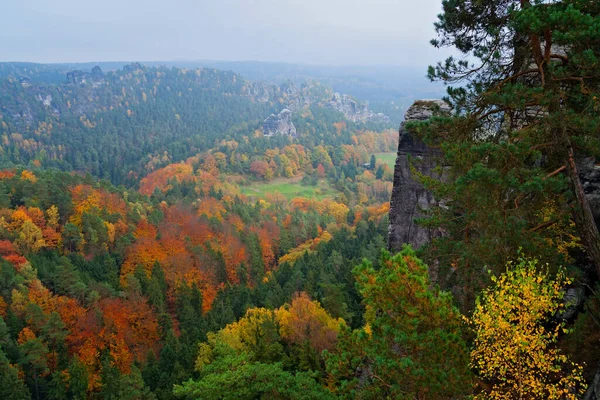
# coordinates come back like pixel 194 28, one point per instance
pixel 300 31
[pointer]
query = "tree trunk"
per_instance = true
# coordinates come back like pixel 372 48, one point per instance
pixel 582 214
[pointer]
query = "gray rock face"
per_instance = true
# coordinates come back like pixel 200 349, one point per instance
pixel 79 77
pixel 409 197
pixel 593 392
pixel 355 111
pixel 296 98
pixel 280 124
pixel 589 172
pixel 573 299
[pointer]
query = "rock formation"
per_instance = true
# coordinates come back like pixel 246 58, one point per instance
pixel 79 77
pixel 589 172
pixel 593 392
pixel 355 111
pixel 409 197
pixel 296 98
pixel 280 124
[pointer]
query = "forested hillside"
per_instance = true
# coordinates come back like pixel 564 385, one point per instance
pixel 186 233
pixel 123 124
pixel 108 291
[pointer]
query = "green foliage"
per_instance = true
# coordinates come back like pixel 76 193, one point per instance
pixel 411 346
pixel 11 387
pixel 237 377
pixel 525 112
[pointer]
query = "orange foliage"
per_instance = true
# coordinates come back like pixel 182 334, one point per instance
pixel 339 126
pixel 40 295
pixel 28 176
pixel 144 229
pixel 337 210
pixel 261 169
pixel 18 218
pixel 206 182
pixel 25 336
pixel 235 221
pixel 268 235
pixel 86 199
pixel 179 235
pixel 131 330
pixel 9 253
pixel 3 307
pixel 378 211
pixel 51 237
pixel 159 178
pixel 37 216
pixel 145 252
pixel 211 207
pixel 7 174
pixel 305 320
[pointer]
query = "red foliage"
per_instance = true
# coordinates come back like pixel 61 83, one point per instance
pixel 259 168
pixel 9 253
pixel 7 174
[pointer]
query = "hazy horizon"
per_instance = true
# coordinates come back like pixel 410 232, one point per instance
pixel 309 32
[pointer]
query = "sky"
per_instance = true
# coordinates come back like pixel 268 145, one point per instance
pixel 322 32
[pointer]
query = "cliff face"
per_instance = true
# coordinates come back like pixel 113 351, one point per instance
pixel 409 197
pixel 355 111
pixel 280 124
pixel 296 98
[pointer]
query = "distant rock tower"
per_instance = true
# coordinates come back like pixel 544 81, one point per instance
pixel 409 197
pixel 280 124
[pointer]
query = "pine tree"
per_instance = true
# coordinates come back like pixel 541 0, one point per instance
pixel 411 346
pixel 526 111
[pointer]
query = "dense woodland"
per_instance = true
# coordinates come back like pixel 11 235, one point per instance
pixel 138 260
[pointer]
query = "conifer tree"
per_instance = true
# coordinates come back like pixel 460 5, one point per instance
pixel 411 346
pixel 525 97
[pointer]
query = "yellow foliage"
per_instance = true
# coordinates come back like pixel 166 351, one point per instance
pixel 561 234
pixel 111 230
pixel 52 216
pixel 305 319
pixel 28 176
pixel 307 247
pixel 18 218
pixel 513 349
pixel 30 238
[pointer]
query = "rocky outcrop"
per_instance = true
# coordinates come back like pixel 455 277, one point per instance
pixel 355 111
pixel 589 173
pixel 280 124
pixel 79 77
pixel 296 98
pixel 409 197
pixel 593 392
pixel 573 299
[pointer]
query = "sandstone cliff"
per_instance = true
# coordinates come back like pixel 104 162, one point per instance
pixel 280 124
pixel 409 197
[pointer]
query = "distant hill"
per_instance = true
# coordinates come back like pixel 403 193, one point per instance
pixel 388 89
pixel 111 124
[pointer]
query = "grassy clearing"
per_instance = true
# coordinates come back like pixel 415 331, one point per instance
pixel 386 158
pixel 290 188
